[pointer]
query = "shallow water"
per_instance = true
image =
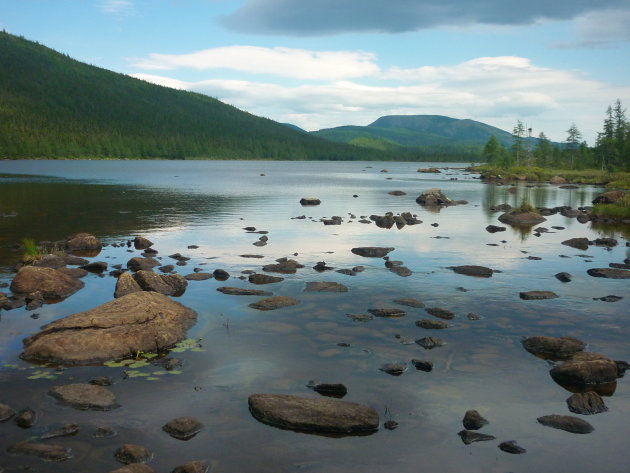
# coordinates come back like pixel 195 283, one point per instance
pixel 243 351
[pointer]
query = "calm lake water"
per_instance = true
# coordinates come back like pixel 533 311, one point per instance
pixel 243 351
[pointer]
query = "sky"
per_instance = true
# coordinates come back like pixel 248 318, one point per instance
pixel 327 63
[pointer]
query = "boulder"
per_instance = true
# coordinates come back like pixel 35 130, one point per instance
pixel 142 264
pixel 434 197
pixel 141 243
pixel 472 270
pixel 473 420
pixel 126 284
pixel 141 321
pixel 584 369
pixel 440 313
pixel 313 415
pixel 537 295
pixel 264 279
pixel 578 243
pixel 567 423
pixel 310 201
pixel 610 197
pixel 83 241
pixel 167 284
pixel 586 403
pixel 469 437
pixel 563 277
pixel 95 267
pixel 50 261
pixel 51 283
pixel 516 217
pixel 183 428
pixel 553 348
pixel 371 251
pixel 275 302
pixel 610 273
pixel 85 397
pixel 198 276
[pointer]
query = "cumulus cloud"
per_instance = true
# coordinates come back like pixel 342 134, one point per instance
pixel 117 8
pixel 301 17
pixel 494 90
pixel 285 62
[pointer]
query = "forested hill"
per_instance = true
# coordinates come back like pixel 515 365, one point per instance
pixel 52 106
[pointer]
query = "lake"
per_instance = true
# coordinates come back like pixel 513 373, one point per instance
pixel 242 351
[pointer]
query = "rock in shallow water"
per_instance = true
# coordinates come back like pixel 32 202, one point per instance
pixel 49 452
pixel 610 273
pixel 537 295
pixel 473 270
pixel 510 446
pixel 371 251
pixel 192 467
pixel 51 283
pixel 388 312
pixel 586 403
pixel 183 428
pixel 275 302
pixel 85 397
pixel 567 423
pixel 237 291
pixel 469 437
pixel 130 453
pixel 473 420
pixel 313 415
pixel 323 286
pixel 584 369
pixel 395 369
pixel 134 468
pixel 6 413
pixel 141 321
pixel 554 348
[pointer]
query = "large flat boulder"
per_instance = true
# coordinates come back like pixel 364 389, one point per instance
pixel 516 217
pixel 314 415
pixel 610 273
pixel 585 368
pixel 553 348
pixel 473 270
pixel 51 283
pixel 141 321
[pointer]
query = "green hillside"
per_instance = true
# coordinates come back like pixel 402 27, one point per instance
pixel 52 106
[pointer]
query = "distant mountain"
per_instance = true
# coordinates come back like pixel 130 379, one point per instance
pixel 432 135
pixel 52 106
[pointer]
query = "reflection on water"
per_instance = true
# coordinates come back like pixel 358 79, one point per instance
pixel 482 365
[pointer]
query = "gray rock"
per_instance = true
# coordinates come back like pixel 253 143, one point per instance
pixel 473 420
pixel 323 286
pixel 440 313
pixel 472 270
pixel 610 273
pixel 85 397
pixel 183 428
pixel 410 302
pixel 48 452
pixel 469 437
pixel 130 453
pixel 141 321
pixel 237 291
pixel 371 251
pixel 537 295
pixel 431 324
pixel 510 446
pixel 567 423
pixel 586 403
pixel 553 348
pixel 275 302
pixel 316 415
pixel 167 284
pixel 395 369
pixel 51 283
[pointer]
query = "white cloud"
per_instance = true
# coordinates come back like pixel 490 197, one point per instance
pixel 494 90
pixel 117 8
pixel 285 62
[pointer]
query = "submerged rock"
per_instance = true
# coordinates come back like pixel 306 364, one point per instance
pixel 388 312
pixel 578 243
pixel 26 418
pixel 422 365
pixel 472 270
pixel 440 313
pixel 275 302
pixel 431 324
pixel 330 390
pixel 553 348
pixel 537 295
pixel 141 321
pixel 45 451
pixel 516 217
pixel 264 279
pixel 586 403
pixel 130 453
pixel 410 302
pixel 313 415
pixel 134 468
pixel 567 423
pixel 198 276
pixel 430 342
pixel 323 286
pixel 183 428
pixel 63 431
pixel 83 241
pixel 192 467
pixel 284 266
pixel 395 369
pixel 85 397
pixel 51 283
pixel 371 251
pixel 6 413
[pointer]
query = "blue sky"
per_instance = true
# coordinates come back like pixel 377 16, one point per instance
pixel 347 62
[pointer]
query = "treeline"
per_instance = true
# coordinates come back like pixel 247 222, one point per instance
pixel 52 106
pixel 610 153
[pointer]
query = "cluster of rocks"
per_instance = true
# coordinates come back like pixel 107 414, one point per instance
pixel 436 198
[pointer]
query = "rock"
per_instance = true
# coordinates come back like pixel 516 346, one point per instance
pixel 434 197
pixel 422 365
pixel 126 284
pixel 331 390
pixel 397 193
pixel 585 368
pixel 553 348
pixel 347 272
pixel 473 316
pixel 85 397
pixel 192 467
pixel 440 313
pixel 63 431
pixel 586 403
pixel 48 452
pixel 284 266
pixel 430 342
pixel 410 302
pixel 395 369
pixel 50 261
pixel 134 468
pixel 410 219
pixel 610 273
pixel 501 208
pixel 183 428
pixel 237 291
pixel 221 275
pixel 179 257
pixel 141 321
pixel 264 279
pixel 472 270
pixel 102 381
pixel 83 241
pixel 494 229
pixel 130 453
pixel 610 197
pixel 388 312
pixel 557 180
pixel 383 221
pixel 6 413
pixel 510 446
pixel 167 284
pixel 167 268
pixel 316 415
pixel 431 324
pixel 198 276
pixel 26 418
pixel 391 425
pixel 563 277
pixel 145 264
pixel 568 423
pixel 310 201
pixel 104 433
pixel 608 242
pixel 469 437
pixel 95 267
pixel 360 317
pixel 473 420
pixel 516 217
pixel 141 243
pixel 51 283
pixel 537 295
pixel 429 170
pixel 578 243
pixel 372 251
pixel 402 271
pixel 275 302
pixel 321 266
pixel 323 286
